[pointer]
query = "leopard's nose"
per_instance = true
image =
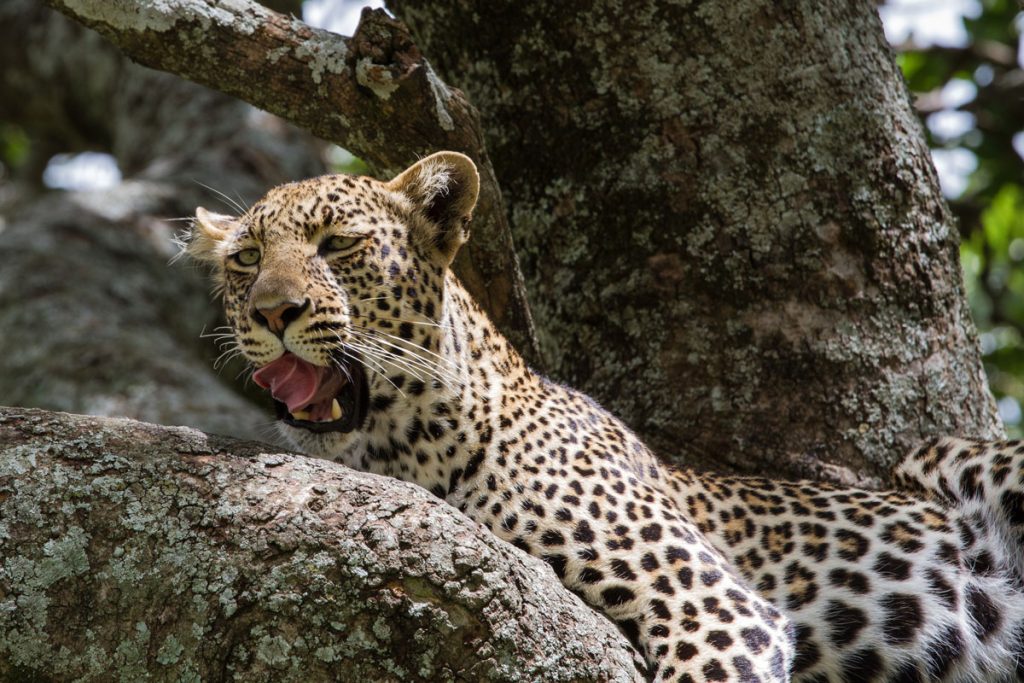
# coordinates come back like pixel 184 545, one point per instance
pixel 277 318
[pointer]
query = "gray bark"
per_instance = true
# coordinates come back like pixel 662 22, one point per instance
pixel 135 552
pixel 729 223
pixel 90 327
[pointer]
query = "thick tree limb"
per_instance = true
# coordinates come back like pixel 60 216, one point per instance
pixel 373 93
pixel 131 551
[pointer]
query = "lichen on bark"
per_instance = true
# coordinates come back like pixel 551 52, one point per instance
pixel 130 551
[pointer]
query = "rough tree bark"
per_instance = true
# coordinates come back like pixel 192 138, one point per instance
pixel 729 223
pixel 373 93
pixel 112 533
pixel 135 552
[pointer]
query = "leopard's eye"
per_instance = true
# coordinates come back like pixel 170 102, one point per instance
pixel 247 257
pixel 336 243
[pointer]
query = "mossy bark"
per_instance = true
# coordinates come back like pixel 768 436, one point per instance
pixel 729 224
pixel 135 552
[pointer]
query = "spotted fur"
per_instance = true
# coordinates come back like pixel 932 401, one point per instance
pixel 712 578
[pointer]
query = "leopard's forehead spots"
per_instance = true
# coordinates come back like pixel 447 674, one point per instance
pixel 303 209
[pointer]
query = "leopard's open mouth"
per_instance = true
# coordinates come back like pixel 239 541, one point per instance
pixel 317 398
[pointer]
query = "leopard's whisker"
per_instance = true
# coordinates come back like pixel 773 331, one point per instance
pixel 228 200
pixel 375 366
pixel 382 357
pixel 420 371
pixel 414 348
pixel 402 320
pixel 409 355
pixel 343 347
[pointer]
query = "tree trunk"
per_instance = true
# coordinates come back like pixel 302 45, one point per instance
pixel 729 224
pixel 130 551
pixel 90 327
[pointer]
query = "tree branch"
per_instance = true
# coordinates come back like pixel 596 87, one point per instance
pixel 131 550
pixel 373 93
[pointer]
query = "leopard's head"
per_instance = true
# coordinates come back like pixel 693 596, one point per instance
pixel 333 288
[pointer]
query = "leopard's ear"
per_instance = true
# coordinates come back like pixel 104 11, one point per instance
pixel 208 232
pixel 444 189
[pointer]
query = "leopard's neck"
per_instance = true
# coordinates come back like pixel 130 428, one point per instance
pixel 437 407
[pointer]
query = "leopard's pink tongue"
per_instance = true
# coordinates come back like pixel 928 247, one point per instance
pixel 291 380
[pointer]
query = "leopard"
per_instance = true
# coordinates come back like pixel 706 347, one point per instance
pixel 339 292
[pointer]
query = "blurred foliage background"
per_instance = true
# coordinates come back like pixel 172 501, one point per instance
pixel 962 62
